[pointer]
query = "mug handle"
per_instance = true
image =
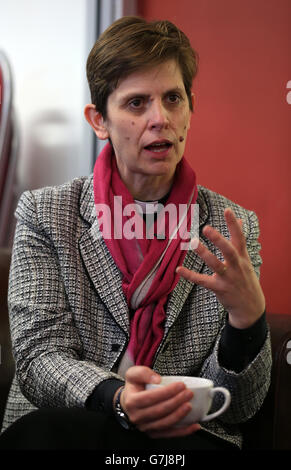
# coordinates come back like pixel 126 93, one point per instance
pixel 227 399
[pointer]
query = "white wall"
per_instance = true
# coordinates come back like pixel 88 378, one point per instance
pixel 47 42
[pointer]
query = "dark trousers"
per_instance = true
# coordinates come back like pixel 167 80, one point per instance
pixel 79 429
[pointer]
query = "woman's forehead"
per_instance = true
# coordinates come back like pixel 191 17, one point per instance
pixel 162 77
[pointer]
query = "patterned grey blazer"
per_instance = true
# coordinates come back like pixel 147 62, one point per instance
pixel 70 321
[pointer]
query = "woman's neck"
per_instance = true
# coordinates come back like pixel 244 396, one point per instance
pixel 152 188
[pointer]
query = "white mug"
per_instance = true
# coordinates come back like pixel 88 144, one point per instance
pixel 201 402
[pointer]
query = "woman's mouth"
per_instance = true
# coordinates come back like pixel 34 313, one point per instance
pixel 159 147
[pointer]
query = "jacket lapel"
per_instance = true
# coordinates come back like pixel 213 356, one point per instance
pixel 99 263
pixel 192 261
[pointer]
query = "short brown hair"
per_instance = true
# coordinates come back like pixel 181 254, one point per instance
pixel 131 43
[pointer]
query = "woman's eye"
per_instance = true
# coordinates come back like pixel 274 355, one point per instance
pixel 174 99
pixel 136 103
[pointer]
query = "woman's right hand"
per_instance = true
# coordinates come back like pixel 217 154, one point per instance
pixel 157 410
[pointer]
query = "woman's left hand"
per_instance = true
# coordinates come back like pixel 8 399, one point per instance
pixel 234 281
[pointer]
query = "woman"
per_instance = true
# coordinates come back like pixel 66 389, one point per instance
pixel 100 308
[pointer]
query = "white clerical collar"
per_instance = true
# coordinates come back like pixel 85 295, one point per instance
pixel 148 207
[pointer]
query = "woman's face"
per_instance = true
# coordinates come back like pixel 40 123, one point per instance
pixel 148 117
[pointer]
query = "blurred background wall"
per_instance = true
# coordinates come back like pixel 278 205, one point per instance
pixel 47 43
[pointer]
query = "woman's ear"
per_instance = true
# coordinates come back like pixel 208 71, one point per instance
pixel 96 121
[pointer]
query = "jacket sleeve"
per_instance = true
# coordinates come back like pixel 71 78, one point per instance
pixel 46 344
pixel 249 386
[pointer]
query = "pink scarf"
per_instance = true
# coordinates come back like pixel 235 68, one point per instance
pixel 136 258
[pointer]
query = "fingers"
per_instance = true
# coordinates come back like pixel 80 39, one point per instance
pixel 231 249
pixel 156 402
pixel 159 395
pixel 202 279
pixel 157 409
pixel 165 422
pixel 142 375
pixel 166 414
pixel 159 420
pixel 210 259
pixel 224 245
pixel 235 230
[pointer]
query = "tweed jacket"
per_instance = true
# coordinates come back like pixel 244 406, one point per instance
pixel 70 320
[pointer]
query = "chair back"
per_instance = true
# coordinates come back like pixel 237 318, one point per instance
pixel 270 428
pixel 6 360
pixel 8 153
pixel 5 116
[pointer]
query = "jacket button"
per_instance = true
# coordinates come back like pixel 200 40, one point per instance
pixel 115 347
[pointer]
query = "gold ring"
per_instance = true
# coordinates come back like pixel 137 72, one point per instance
pixel 222 271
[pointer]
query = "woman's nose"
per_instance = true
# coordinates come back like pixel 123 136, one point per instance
pixel 158 116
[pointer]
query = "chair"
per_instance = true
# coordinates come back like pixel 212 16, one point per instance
pixel 6 360
pixel 8 153
pixel 271 427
